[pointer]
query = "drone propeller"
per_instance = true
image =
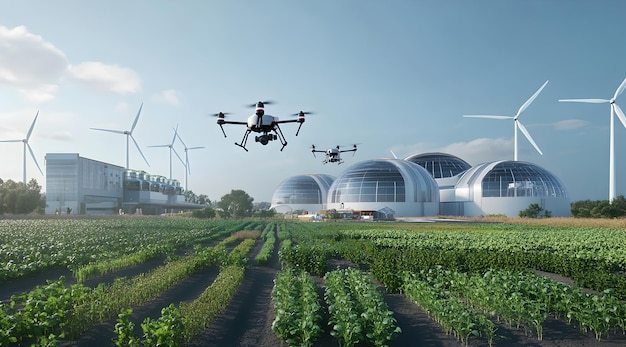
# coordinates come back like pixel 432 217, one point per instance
pixel 300 120
pixel 220 120
pixel 302 113
pixel 256 104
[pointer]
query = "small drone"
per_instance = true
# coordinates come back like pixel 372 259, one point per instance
pixel 333 155
pixel 262 123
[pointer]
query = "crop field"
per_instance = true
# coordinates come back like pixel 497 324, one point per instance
pixel 165 281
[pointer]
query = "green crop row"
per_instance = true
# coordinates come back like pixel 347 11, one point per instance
pixel 357 310
pixel 29 246
pixel 297 308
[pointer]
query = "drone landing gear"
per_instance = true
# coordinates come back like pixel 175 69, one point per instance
pixel 244 140
pixel 281 137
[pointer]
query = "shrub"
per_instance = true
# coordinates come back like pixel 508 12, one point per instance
pixel 534 211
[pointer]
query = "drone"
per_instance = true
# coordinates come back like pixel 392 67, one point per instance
pixel 333 155
pixel 262 123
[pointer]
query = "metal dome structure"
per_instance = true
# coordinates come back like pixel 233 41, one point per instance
pixel 302 193
pixel 505 187
pixel 440 165
pixel 372 185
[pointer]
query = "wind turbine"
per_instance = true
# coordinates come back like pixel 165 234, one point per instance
pixel 171 146
pixel 517 123
pixel 26 145
pixel 187 149
pixel 129 135
pixel 620 114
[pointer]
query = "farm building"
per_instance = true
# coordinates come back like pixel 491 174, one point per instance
pixel 400 185
pixel 504 187
pixel 80 185
pixel 302 194
pixel 500 187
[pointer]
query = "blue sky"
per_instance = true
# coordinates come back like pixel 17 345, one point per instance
pixel 390 75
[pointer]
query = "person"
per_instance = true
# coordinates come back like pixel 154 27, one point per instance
pixel 69 210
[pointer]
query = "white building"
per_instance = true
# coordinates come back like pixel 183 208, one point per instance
pixel 302 194
pixel 373 185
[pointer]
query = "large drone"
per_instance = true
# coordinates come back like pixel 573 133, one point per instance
pixel 333 155
pixel 262 123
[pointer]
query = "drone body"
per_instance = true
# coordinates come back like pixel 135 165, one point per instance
pixel 333 155
pixel 265 124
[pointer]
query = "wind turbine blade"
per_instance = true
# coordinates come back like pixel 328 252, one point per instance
pixel 620 114
pixel 487 116
pixel 175 133
pixel 160 146
pixel 32 154
pixel 139 149
pixel 620 89
pixel 136 119
pixel 591 101
pixel 181 141
pixel 394 155
pixel 195 148
pixel 179 158
pixel 109 130
pixel 527 134
pixel 11 140
pixel 530 100
pixel 32 126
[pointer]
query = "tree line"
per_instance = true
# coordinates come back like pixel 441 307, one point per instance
pixel 599 208
pixel 236 204
pixel 20 198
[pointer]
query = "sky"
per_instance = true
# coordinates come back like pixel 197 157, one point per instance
pixel 393 76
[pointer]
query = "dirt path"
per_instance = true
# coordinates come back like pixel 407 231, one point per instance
pixel 247 320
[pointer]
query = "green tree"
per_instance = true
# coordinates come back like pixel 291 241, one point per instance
pixel 599 208
pixel 534 211
pixel 20 198
pixel 203 200
pixel 190 196
pixel 237 204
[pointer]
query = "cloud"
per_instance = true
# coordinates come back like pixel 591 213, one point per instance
pixel 35 67
pixel 169 96
pixel 105 77
pixel 570 124
pixel 474 152
pixel 30 64
pixel 481 150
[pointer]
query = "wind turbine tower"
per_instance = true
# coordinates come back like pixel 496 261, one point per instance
pixel 129 136
pixel 517 123
pixel 615 109
pixel 187 167
pixel 26 145
pixel 171 147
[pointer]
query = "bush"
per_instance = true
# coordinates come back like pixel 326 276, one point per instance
pixel 265 213
pixel 534 211
pixel 206 212
pixel 599 208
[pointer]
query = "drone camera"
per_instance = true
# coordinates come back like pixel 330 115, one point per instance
pixel 264 139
